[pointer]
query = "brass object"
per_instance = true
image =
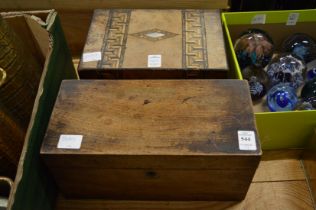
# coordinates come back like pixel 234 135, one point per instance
pixel 3 76
pixel 5 188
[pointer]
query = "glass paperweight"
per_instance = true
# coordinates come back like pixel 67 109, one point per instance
pixel 300 45
pixel 311 70
pixel 258 81
pixel 254 47
pixel 282 97
pixel 286 69
pixel 304 105
pixel 308 93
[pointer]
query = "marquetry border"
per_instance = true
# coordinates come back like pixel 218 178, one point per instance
pixel 114 41
pixel 194 40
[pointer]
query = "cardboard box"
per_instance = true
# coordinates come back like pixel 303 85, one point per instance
pixel 277 130
pixel 152 140
pixel 156 44
pixel 42 33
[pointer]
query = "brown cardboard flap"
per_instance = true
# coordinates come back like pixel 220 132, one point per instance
pixel 29 26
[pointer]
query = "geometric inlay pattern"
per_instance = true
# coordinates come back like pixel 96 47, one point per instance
pixel 115 37
pixel 154 34
pixel 194 40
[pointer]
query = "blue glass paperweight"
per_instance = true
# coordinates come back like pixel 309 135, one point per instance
pixel 308 93
pixel 254 47
pixel 311 73
pixel 301 45
pixel 258 81
pixel 286 69
pixel 311 70
pixel 282 97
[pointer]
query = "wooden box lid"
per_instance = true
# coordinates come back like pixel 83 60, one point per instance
pixel 165 41
pixel 170 118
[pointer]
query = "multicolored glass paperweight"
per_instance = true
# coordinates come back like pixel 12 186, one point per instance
pixel 282 97
pixel 258 81
pixel 286 69
pixel 311 70
pixel 308 93
pixel 254 47
pixel 301 45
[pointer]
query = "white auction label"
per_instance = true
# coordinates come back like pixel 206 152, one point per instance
pixel 91 56
pixel 154 61
pixel 247 140
pixel 69 141
pixel 259 19
pixel 292 19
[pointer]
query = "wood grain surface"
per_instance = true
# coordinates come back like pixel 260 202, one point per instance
pixel 280 165
pixel 288 192
pixel 165 136
pixel 152 117
pixel 309 161
pixel 261 196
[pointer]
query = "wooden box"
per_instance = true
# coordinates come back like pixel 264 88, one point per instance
pixel 153 140
pixel 154 44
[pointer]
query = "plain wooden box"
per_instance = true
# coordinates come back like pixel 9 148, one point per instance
pixel 153 140
pixel 120 44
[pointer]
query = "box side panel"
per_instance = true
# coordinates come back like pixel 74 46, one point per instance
pixel 285 130
pixel 34 189
pixel 231 56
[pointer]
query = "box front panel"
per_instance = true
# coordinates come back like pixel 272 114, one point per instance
pixel 151 184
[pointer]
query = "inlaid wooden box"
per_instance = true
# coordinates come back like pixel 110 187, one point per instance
pixel 153 140
pixel 154 44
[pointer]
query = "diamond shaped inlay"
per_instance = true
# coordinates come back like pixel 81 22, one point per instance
pixel 154 34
